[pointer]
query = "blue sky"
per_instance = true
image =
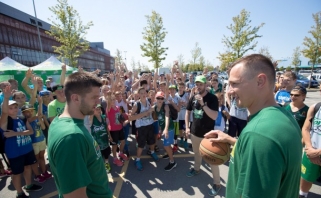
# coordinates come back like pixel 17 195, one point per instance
pixel 119 24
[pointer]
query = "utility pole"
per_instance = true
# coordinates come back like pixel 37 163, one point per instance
pixel 34 8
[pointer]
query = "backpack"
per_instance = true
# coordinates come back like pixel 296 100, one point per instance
pixel 139 105
pixel 172 111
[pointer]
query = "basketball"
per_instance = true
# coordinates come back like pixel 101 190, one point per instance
pixel 214 153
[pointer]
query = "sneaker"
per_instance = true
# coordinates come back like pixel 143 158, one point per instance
pixel 123 156
pixel 214 190
pixel 185 145
pixel 156 148
pixel 170 166
pixel 107 167
pixel 175 148
pixel 23 195
pixel 165 156
pixel 192 173
pixel 155 157
pixel 139 165
pixel 118 162
pixel 40 179
pixel 181 143
pixel 8 172
pixel 34 187
pixel 47 175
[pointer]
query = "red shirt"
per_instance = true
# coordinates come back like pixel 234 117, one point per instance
pixel 113 116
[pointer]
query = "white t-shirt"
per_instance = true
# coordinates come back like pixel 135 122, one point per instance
pixel 123 104
pixel 184 98
pixel 315 131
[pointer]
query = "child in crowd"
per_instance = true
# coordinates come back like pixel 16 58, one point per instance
pixel 18 145
pixel 101 134
pixel 38 140
pixel 223 113
pixel 116 130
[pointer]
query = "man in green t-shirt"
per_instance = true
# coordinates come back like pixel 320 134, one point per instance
pixel 56 107
pixel 75 158
pixel 266 159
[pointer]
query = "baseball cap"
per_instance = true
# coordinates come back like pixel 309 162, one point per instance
pixel 26 107
pixel 172 87
pixel 57 87
pixel 160 94
pixel 162 82
pixel 201 79
pixel 161 74
pixel 44 93
pixel 11 102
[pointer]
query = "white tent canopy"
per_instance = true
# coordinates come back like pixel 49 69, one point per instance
pixel 7 64
pixel 51 64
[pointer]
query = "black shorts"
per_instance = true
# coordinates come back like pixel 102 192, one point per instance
pixel 182 125
pixel 18 163
pixel 106 152
pixel 117 136
pixel 145 134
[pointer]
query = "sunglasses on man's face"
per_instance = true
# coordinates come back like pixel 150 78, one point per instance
pixel 295 95
pixel 159 98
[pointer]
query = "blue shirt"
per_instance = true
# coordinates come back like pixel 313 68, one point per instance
pixel 283 97
pixel 18 145
pixel 37 135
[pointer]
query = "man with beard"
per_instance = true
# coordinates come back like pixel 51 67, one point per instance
pixel 266 159
pixel 205 111
pixel 75 158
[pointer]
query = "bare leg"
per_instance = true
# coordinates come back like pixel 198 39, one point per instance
pixel 169 152
pixel 16 181
pixel 114 149
pixel 305 186
pixel 27 175
pixel 122 145
pixel 41 161
pixel 139 152
pixel 34 167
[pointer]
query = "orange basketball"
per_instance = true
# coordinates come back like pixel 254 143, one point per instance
pixel 215 153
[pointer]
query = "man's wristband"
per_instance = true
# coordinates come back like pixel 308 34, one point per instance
pixel 203 106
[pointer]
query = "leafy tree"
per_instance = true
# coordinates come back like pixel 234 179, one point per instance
pixel 118 57
pixel 154 35
pixel 68 29
pixel 288 68
pixel 196 53
pixel 180 59
pixel 296 58
pixel 266 52
pixel 243 38
pixel 226 59
pixel 312 49
pixel 139 66
pixel 281 68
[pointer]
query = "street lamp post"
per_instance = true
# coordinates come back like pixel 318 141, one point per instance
pixel 34 8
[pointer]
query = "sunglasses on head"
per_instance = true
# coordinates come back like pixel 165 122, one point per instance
pixel 159 98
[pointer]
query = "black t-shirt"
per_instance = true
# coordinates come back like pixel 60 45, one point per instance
pixel 201 122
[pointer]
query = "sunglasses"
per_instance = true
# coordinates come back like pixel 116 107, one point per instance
pixel 159 98
pixel 295 95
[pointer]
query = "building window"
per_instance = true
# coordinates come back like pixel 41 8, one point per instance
pixel 32 21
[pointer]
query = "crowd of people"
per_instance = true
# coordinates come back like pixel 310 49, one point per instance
pixel 86 119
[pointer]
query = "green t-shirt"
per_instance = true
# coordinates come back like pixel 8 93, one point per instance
pixel 300 115
pixel 266 160
pixel 161 118
pixel 75 159
pixel 212 91
pixel 99 132
pixel 55 108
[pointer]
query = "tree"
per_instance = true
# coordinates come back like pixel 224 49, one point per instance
pixel 313 44
pixel 288 68
pixel 154 35
pixel 201 63
pixel 265 52
pixel 68 29
pixel 180 59
pixel 196 53
pixel 226 59
pixel 118 57
pixel 242 39
pixel 281 68
pixel 296 58
pixel 139 66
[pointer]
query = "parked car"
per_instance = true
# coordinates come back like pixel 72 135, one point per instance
pixel 316 77
pixel 304 81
